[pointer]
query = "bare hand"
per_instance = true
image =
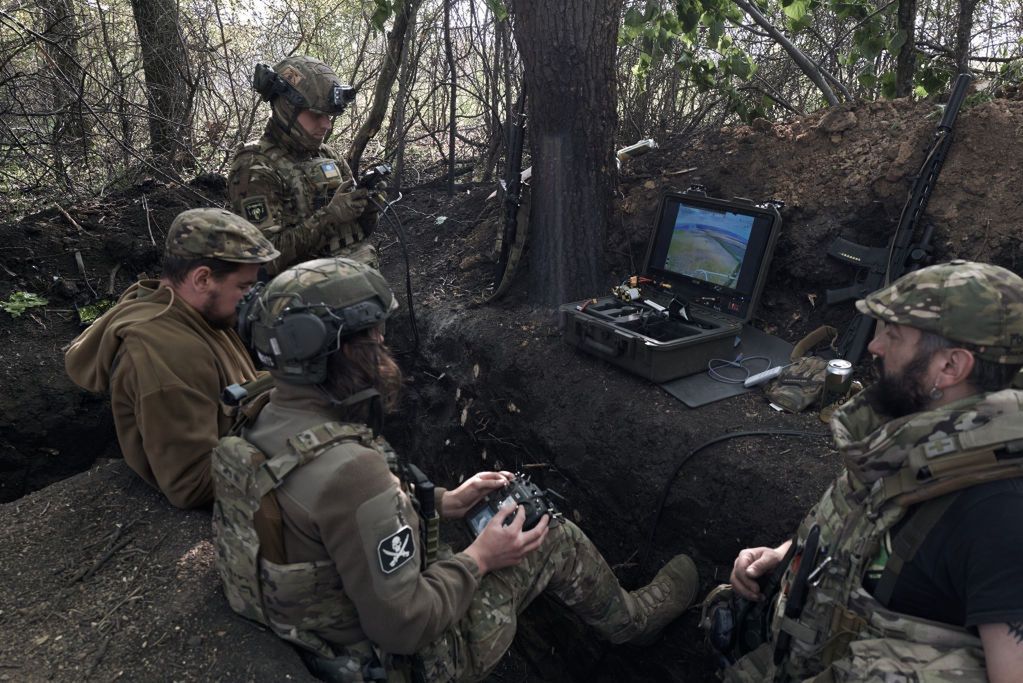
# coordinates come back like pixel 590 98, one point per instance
pixel 456 503
pixel 500 546
pixel 753 563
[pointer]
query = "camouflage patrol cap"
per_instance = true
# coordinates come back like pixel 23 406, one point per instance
pixel 317 87
pixel 218 234
pixel 973 303
pixel 297 320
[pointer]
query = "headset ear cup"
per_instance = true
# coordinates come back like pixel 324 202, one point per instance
pixel 300 336
pixel 246 310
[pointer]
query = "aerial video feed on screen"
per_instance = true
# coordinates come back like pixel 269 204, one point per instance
pixel 709 245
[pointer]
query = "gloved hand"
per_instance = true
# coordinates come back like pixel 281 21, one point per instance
pixel 346 205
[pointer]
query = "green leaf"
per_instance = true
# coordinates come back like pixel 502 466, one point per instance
pixel 497 7
pixel 796 10
pixel 888 84
pixel 920 91
pixel 634 18
pixel 867 80
pixel 18 302
pixel 896 42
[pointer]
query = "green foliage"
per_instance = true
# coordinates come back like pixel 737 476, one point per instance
pixel 498 8
pixel 382 11
pixel 708 55
pixel 18 302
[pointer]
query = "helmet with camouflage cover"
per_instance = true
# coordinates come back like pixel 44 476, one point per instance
pixel 298 320
pixel 217 234
pixel 977 304
pixel 300 83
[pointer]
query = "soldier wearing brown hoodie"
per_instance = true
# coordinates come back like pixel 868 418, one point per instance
pixel 168 349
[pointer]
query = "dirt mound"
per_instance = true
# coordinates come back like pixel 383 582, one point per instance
pixel 490 385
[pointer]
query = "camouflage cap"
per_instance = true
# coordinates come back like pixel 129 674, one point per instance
pixel 218 234
pixel 973 303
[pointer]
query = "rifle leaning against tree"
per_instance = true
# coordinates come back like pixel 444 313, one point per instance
pixel 880 266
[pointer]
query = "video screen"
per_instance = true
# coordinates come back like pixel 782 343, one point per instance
pixel 709 245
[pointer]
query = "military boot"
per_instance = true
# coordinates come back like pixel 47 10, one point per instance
pixel 665 598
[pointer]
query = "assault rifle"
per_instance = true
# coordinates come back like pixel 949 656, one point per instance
pixel 512 183
pixel 880 266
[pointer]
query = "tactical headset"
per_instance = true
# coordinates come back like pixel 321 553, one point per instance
pixel 269 84
pixel 296 342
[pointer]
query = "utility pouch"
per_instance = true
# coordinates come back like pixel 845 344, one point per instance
pixel 801 384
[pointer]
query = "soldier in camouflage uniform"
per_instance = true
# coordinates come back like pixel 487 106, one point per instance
pixel 319 538
pixel 166 351
pixel 910 568
pixel 289 184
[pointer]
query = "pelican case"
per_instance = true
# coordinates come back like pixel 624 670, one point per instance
pixel 704 270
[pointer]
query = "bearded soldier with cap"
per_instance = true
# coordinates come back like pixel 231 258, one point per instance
pixel 910 568
pixel 168 349
pixel 319 535
pixel 289 184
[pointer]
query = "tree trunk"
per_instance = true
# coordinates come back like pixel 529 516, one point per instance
pixel 165 63
pixel 396 129
pixel 452 128
pixel 964 27
pixel 905 61
pixel 404 16
pixel 568 55
pixel 69 135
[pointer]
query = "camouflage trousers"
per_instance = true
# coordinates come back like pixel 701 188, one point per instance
pixel 568 567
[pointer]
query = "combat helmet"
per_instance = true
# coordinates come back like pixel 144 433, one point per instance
pixel 297 83
pixel 294 323
pixel 976 304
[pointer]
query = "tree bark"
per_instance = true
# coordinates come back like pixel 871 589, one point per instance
pixel 166 67
pixel 568 56
pixel 69 134
pixel 452 84
pixel 404 16
pixel 905 61
pixel 964 27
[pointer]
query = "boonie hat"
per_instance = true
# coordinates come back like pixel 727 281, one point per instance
pixel 974 303
pixel 218 234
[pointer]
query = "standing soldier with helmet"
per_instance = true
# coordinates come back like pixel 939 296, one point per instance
pixel 290 185
pixel 319 535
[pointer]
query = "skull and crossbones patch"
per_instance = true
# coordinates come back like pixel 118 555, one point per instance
pixel 396 550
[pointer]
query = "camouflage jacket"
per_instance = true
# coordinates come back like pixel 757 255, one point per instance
pixel 843 633
pixel 350 581
pixel 282 189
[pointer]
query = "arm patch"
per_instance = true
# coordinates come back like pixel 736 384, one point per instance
pixel 395 550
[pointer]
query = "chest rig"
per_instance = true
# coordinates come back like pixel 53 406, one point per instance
pixel 839 619
pixel 258 583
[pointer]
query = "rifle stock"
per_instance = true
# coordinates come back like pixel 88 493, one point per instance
pixel 882 266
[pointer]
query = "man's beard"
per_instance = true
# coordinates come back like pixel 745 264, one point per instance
pixel 902 394
pixel 217 322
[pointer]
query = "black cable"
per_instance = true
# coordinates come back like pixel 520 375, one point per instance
pixel 678 468
pixel 399 230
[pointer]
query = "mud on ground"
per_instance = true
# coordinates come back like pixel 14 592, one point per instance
pixel 490 386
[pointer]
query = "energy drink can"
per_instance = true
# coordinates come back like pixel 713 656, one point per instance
pixel 837 379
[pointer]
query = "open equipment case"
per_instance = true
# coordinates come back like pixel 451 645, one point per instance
pixel 703 274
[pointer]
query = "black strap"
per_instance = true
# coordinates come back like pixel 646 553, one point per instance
pixel 906 543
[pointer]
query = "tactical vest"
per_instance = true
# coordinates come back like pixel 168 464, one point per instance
pixel 309 183
pixel 843 631
pixel 291 599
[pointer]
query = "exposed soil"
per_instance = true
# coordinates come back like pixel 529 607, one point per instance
pixel 103 579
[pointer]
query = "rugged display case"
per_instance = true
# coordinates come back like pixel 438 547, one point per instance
pixel 704 270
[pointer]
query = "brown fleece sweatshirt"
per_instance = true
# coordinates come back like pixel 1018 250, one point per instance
pixel 343 507
pixel 165 369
